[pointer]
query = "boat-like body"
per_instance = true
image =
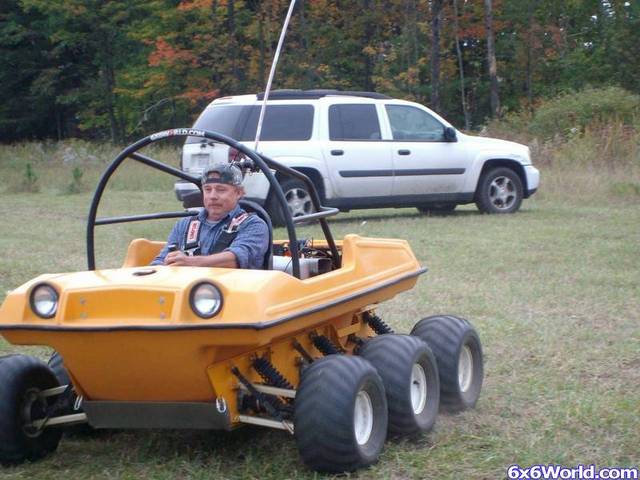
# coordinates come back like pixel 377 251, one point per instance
pixel 130 334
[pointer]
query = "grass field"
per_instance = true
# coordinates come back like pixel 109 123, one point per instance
pixel 553 290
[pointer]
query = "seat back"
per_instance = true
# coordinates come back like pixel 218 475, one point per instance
pixel 141 251
pixel 253 207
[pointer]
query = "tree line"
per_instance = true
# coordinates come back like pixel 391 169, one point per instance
pixel 118 69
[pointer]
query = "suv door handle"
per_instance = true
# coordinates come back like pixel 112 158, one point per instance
pixel 404 152
pixel 337 153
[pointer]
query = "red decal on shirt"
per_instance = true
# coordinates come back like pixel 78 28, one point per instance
pixel 192 236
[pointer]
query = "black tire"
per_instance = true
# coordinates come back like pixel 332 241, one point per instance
pixel 56 364
pixel 499 191
pixel 438 208
pixel 325 414
pixel 457 349
pixel 19 375
pixel 412 409
pixel 298 199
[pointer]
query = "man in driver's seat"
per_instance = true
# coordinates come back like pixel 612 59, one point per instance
pixel 221 235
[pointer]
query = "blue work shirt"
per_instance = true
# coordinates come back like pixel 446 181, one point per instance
pixel 249 246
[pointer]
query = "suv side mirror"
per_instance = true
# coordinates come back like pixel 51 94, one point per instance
pixel 450 134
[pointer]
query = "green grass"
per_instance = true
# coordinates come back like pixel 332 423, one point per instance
pixel 553 290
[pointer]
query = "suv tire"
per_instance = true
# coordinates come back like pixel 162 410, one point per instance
pixel 298 198
pixel 499 191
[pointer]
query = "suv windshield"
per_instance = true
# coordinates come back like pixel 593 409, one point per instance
pixel 281 122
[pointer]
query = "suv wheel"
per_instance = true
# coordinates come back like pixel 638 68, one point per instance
pixel 298 200
pixel 499 191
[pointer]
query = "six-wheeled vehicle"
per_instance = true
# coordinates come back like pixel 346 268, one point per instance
pixel 295 346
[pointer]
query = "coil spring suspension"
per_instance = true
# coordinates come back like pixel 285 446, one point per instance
pixel 270 374
pixel 259 402
pixel 377 324
pixel 323 344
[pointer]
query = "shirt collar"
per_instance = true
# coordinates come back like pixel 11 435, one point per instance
pixel 202 216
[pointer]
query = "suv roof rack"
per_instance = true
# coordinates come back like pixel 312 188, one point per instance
pixel 294 94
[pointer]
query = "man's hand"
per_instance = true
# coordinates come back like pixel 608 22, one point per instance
pixel 223 259
pixel 178 259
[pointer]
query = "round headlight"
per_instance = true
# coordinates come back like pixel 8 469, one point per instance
pixel 205 300
pixel 44 300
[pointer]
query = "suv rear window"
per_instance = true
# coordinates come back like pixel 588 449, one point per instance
pixel 281 122
pixel 353 122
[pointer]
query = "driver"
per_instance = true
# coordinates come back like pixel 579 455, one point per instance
pixel 222 234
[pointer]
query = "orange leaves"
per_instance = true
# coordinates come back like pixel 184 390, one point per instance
pixel 195 94
pixel 165 54
pixel 188 5
pixel 370 51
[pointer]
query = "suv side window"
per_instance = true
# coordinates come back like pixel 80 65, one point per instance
pixel 353 122
pixel 410 123
pixel 281 122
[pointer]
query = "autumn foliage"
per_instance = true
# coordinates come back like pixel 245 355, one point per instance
pixel 120 69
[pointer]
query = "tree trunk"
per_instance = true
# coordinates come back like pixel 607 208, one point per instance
pixel 58 122
pixel 463 94
pixel 233 45
pixel 411 28
pixel 529 81
pixel 369 30
pixel 436 20
pixel 262 68
pixel 491 60
pixel 215 65
pixel 108 77
pixel 310 76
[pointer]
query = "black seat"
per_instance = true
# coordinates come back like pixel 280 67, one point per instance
pixel 253 207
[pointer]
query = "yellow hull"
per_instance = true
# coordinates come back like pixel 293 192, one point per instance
pixel 126 337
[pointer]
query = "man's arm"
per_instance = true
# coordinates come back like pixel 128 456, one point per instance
pixel 174 237
pixel 224 259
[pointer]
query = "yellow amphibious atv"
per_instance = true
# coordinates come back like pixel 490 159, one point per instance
pixel 296 346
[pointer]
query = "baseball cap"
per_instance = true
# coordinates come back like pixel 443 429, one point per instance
pixel 227 173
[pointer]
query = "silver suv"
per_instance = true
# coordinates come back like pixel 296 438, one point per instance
pixel 363 150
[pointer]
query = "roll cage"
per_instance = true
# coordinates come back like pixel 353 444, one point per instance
pixel 252 162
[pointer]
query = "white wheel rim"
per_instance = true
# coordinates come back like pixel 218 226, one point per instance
pixel 299 202
pixel 418 389
pixel 363 417
pixel 502 193
pixel 465 368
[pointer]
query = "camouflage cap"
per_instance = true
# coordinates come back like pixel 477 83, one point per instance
pixel 226 173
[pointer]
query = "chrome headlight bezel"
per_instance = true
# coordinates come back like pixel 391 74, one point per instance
pixel 215 297
pixel 44 289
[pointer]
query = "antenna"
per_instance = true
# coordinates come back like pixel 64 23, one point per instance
pixel 272 72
